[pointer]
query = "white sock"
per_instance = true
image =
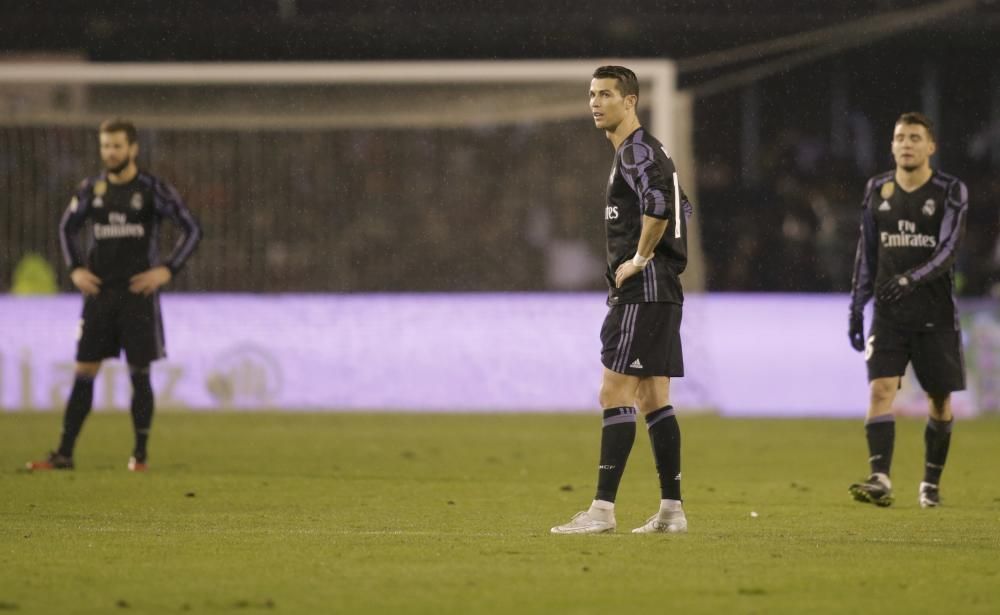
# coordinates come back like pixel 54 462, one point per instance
pixel 667 506
pixel 602 510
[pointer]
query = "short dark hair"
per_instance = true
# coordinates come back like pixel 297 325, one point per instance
pixel 121 125
pixel 919 119
pixel 628 85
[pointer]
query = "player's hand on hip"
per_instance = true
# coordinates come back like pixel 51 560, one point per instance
pixel 149 281
pixel 85 280
pixel 856 331
pixel 895 289
pixel 625 271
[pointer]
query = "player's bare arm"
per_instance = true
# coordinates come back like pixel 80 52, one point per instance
pixel 149 281
pixel 652 232
pixel 85 280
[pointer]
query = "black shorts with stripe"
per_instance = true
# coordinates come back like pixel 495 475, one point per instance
pixel 117 319
pixel 643 339
pixel 936 356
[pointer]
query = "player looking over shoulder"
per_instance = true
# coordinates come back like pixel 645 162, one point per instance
pixel 120 277
pixel 912 224
pixel 646 224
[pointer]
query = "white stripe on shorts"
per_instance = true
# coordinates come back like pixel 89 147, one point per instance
pixel 627 335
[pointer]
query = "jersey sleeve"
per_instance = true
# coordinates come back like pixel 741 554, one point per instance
pixel 866 256
pixel 170 205
pixel 949 237
pixel 655 185
pixel 72 221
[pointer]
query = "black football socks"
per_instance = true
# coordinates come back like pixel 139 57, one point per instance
pixel 937 439
pixel 881 433
pixel 142 410
pixel 81 398
pixel 617 438
pixel 665 438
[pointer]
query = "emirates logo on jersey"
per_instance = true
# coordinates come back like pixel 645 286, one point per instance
pixel 929 207
pixel 907 237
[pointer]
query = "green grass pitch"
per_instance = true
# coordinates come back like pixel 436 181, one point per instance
pixel 406 513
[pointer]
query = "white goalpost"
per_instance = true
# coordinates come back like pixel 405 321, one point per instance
pixel 556 77
pixel 308 97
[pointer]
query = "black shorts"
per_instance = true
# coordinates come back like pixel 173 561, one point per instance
pixel 115 319
pixel 936 356
pixel 643 339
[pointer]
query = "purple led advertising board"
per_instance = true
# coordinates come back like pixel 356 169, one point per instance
pixel 745 355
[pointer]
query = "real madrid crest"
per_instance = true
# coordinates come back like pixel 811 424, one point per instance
pixel 887 189
pixel 136 201
pixel 929 207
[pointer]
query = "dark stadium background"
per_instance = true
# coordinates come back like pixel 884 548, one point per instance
pixel 779 166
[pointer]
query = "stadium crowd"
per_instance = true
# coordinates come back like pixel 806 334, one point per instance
pixel 494 209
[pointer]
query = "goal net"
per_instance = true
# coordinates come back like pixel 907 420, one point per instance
pixel 409 176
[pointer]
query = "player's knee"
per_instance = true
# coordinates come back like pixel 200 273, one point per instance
pixel 652 394
pixel 642 404
pixel 87 370
pixel 140 378
pixel 604 397
pixel 646 403
pixel 611 396
pixel 883 389
pixel 940 407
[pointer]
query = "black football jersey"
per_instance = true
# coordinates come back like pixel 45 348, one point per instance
pixel 916 234
pixel 644 181
pixel 124 221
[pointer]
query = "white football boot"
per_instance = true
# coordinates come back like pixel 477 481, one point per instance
pixel 593 521
pixel 930 496
pixel 669 519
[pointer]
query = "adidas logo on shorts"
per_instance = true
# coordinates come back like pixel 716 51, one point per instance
pixel 637 364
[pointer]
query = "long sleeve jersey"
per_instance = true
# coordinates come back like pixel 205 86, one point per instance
pixel 124 227
pixel 916 234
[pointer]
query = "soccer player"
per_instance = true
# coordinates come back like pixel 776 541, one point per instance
pixel 120 280
pixel 912 223
pixel 646 224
